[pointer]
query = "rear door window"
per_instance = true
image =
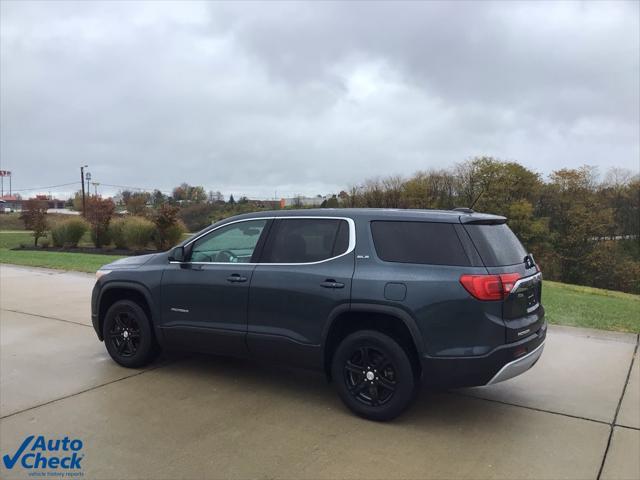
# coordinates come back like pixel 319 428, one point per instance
pixel 418 242
pixel 305 240
pixel 497 244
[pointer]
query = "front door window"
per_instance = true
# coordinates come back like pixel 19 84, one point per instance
pixel 233 243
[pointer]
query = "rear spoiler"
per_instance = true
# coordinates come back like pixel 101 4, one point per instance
pixel 482 219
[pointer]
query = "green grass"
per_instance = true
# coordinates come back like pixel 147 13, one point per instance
pixel 11 221
pixel 13 238
pixel 81 262
pixel 579 306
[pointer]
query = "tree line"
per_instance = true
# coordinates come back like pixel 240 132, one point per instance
pixel 581 229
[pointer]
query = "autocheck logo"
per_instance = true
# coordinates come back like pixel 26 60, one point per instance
pixel 40 453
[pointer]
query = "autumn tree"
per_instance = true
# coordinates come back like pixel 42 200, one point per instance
pixel 575 218
pixel 168 226
pixel 493 185
pixel 99 213
pixel 432 189
pixel 136 203
pixel 76 202
pixel 190 194
pixel 34 217
pixel 158 198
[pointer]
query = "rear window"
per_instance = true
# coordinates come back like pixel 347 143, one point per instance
pixel 297 240
pixel 418 242
pixel 497 244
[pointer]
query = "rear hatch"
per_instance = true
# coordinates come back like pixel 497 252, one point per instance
pixel 502 253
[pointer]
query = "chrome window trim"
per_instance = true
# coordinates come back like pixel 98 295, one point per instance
pixel 350 247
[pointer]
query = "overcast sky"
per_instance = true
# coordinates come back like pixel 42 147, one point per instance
pixel 305 98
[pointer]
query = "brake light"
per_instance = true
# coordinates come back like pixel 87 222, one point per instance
pixel 490 287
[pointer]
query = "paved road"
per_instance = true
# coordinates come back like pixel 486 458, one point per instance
pixel 575 415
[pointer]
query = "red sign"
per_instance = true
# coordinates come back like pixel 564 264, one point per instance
pixel 5 173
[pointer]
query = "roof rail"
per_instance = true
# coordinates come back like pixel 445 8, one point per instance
pixel 463 209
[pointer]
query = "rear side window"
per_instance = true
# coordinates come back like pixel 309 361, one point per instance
pixel 497 244
pixel 304 240
pixel 418 242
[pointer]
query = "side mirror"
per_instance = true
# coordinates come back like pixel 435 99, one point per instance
pixel 177 255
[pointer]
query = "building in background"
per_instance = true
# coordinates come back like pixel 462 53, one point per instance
pixel 14 203
pixel 10 203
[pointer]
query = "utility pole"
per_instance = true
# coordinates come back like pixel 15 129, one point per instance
pixel 95 187
pixel 87 176
pixel 4 173
pixel 84 203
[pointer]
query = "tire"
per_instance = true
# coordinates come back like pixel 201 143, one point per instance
pixel 128 335
pixel 387 386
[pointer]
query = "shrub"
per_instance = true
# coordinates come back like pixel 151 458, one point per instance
pixel 116 232
pixel 169 228
pixel 67 233
pixel 138 232
pixel 197 216
pixel 34 218
pixel 98 214
pixel 132 232
pixel 100 236
pixel 173 234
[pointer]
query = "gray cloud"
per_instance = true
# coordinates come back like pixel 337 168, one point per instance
pixel 250 98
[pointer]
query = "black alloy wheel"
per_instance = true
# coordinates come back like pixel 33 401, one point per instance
pixel 370 376
pixel 125 334
pixel 373 375
pixel 128 335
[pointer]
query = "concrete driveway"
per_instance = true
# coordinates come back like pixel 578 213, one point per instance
pixel 576 414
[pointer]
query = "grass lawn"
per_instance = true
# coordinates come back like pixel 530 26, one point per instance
pixel 579 306
pixel 13 238
pixel 11 221
pixel 81 262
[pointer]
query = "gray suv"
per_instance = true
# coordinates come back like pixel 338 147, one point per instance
pixel 380 300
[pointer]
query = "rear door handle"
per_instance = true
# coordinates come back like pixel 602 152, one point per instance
pixel 236 278
pixel 331 284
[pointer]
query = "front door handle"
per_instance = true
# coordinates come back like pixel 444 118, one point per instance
pixel 329 283
pixel 236 278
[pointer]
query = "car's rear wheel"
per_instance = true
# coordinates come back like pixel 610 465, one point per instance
pixel 128 335
pixel 373 375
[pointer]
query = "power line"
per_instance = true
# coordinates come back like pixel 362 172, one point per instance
pixel 44 188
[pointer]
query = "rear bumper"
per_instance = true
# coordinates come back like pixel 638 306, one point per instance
pixel 502 363
pixel 518 366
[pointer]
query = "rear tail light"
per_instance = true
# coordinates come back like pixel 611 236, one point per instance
pixel 490 287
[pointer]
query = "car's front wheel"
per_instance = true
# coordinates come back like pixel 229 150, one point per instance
pixel 128 335
pixel 373 375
